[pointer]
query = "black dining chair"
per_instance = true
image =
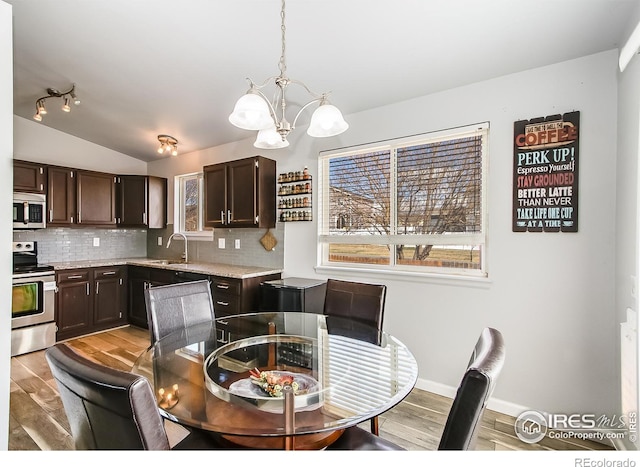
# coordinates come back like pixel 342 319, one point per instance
pixel 177 306
pixel 359 309
pixel 461 428
pixel 112 409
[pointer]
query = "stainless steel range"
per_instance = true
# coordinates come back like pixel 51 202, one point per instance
pixel 33 324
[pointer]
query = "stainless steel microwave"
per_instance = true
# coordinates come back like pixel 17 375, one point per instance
pixel 29 211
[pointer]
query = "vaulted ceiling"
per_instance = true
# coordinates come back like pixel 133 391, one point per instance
pixel 176 67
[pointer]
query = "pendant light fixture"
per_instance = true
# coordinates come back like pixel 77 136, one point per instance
pixel 254 111
pixel 66 96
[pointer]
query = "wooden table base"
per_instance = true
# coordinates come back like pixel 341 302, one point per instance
pixel 315 441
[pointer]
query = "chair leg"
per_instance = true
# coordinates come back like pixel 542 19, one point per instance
pixel 374 426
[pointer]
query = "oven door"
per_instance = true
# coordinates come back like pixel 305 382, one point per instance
pixel 32 301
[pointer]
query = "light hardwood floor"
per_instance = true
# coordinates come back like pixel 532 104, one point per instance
pixel 37 420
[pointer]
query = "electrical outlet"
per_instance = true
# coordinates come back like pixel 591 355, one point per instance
pixel 96 241
pixel 159 241
pixel 221 243
pixel 237 244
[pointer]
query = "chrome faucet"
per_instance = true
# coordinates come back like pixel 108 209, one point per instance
pixel 185 244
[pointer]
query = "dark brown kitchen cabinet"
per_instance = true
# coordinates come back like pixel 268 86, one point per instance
pixel 240 193
pixel 109 297
pixel 141 278
pixel 96 200
pixel 233 296
pixel 29 177
pixel 142 201
pixel 73 303
pixel 138 283
pixel 90 300
pixel 61 196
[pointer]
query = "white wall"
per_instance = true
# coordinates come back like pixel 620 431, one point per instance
pixel 627 208
pixel 551 294
pixel 6 185
pixel 36 142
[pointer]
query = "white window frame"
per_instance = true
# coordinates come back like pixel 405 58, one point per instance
pixel 179 211
pixel 479 239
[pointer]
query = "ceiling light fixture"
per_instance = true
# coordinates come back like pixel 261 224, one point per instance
pixel 51 92
pixel 254 111
pixel 168 144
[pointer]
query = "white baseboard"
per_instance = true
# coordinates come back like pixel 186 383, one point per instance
pixel 505 407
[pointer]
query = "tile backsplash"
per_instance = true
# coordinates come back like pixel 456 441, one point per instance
pixel 81 244
pixel 64 244
pixel 250 253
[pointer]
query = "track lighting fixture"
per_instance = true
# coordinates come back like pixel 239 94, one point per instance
pixel 67 96
pixel 168 144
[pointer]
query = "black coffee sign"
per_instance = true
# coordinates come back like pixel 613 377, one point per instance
pixel 545 174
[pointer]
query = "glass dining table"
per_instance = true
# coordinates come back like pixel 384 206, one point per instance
pixel 277 380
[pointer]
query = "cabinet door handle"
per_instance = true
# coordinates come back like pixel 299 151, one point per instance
pixel 144 217
pixel 50 215
pixel 222 216
pixel 87 288
pixel 229 216
pixel 108 273
pixel 97 288
pixel 74 277
pixel 220 286
pixel 222 303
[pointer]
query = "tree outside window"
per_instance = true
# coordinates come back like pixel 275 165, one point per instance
pixel 410 204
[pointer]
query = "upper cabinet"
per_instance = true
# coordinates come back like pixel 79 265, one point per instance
pixel 142 201
pixel 87 198
pixel 96 200
pixel 61 196
pixel 240 193
pixel 29 177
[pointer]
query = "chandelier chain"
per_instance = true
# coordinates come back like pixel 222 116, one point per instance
pixel 283 63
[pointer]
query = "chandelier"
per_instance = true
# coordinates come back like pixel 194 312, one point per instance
pixel 66 96
pixel 254 111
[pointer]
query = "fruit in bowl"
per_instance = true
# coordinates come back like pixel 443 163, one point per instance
pixel 273 382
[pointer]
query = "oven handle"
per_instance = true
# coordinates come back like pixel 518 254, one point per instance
pixel 26 213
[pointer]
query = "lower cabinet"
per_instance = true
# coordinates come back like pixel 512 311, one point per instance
pixel 90 300
pixel 141 278
pixel 234 296
pixel 230 296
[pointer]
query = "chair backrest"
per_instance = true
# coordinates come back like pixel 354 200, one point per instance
pixel 460 430
pixel 106 408
pixel 355 303
pixel 177 306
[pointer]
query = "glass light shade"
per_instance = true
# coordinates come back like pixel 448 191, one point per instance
pixel 326 121
pixel 161 149
pixel 174 152
pixel 37 117
pixel 41 108
pixel 251 112
pixel 66 107
pixel 270 139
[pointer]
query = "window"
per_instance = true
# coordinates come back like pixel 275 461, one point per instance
pixel 189 205
pixel 412 204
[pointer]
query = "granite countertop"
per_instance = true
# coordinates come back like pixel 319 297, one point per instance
pixel 213 269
